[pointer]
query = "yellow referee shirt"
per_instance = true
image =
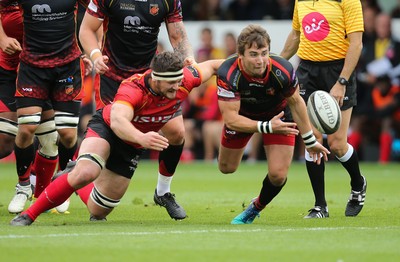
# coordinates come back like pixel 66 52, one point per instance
pixel 324 25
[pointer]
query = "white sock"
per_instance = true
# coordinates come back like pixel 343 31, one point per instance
pixel 163 184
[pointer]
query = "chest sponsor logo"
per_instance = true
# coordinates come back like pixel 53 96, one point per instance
pixel 132 24
pixel 131 20
pixel 43 13
pixel 315 26
pixel 127 6
pixel 152 119
pixel 41 9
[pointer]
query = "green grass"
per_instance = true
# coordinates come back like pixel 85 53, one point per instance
pixel 140 231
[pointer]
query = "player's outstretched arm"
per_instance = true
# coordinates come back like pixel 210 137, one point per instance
pixel 209 68
pixel 299 113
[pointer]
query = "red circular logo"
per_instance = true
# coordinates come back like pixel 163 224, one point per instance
pixel 315 27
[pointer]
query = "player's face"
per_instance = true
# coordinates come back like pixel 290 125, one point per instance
pixel 168 89
pixel 255 60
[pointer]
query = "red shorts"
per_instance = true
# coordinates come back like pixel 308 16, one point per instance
pixel 236 140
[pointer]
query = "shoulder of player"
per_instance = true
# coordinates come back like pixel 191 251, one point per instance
pixel 279 63
pixel 228 66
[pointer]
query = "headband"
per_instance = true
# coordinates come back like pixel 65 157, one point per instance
pixel 167 76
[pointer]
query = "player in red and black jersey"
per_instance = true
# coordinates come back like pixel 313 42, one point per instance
pixel 117 135
pixel 130 42
pixel 10 39
pixel 47 156
pixel 255 91
pixel 48 72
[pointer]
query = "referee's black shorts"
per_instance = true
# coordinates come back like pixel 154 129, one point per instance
pixel 323 76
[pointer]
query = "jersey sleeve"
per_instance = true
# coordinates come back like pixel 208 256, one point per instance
pixel 175 12
pixel 84 3
pixel 285 75
pixel 96 8
pixel 225 89
pixel 353 17
pixel 129 95
pixel 295 21
pixel 191 77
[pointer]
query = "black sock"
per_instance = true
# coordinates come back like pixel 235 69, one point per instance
pixel 353 169
pixel 267 193
pixel 24 159
pixel 168 159
pixel 65 154
pixel 316 173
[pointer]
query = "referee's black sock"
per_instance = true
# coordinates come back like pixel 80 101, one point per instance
pixel 350 162
pixel 316 173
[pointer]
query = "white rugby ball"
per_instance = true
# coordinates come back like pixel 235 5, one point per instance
pixel 324 112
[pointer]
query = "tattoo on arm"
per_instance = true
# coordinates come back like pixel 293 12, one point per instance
pixel 181 40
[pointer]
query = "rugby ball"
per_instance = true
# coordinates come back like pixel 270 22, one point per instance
pixel 324 112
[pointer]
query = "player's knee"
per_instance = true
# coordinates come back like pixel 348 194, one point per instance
pixel 277 179
pixel 7 145
pixel 226 168
pixel 81 177
pixel 338 147
pixel 68 137
pixel 67 127
pixel 26 132
pixel 48 137
pixel 27 125
pixel 177 137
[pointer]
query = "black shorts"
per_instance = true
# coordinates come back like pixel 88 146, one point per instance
pixel 7 90
pixel 315 76
pixel 123 158
pixel 105 91
pixel 60 85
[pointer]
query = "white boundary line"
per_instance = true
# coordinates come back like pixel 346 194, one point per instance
pixel 178 232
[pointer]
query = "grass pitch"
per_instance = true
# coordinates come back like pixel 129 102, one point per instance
pixel 137 230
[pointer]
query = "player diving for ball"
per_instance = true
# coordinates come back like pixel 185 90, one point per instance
pixel 256 90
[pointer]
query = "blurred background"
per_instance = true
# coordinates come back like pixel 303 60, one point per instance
pixel 212 27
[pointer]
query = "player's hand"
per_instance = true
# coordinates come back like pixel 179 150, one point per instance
pixel 87 65
pixel 284 128
pixel 10 45
pixel 189 61
pixel 338 92
pixel 100 64
pixel 317 152
pixel 153 140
